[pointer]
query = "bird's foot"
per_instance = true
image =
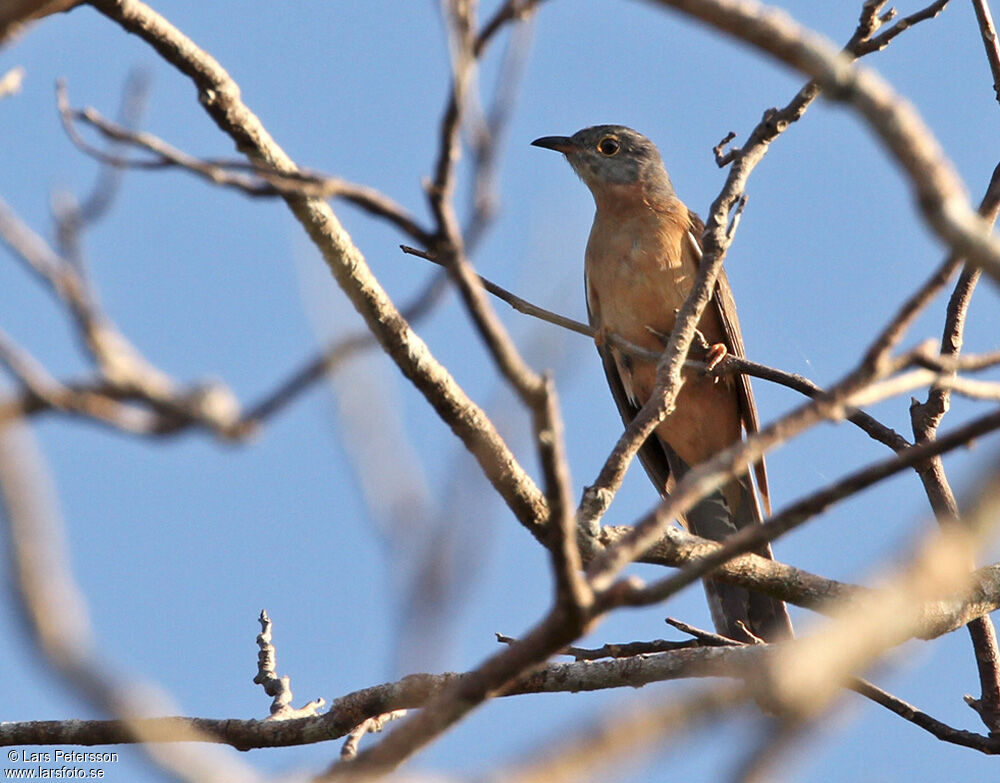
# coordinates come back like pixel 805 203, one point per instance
pixel 716 353
pixel 600 337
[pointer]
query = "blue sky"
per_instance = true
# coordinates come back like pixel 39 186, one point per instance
pixel 179 543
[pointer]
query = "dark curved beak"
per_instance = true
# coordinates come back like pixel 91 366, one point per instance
pixel 563 144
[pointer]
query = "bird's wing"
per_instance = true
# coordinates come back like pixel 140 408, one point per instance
pixel 725 306
pixel 651 453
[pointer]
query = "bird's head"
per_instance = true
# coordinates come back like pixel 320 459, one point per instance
pixel 613 159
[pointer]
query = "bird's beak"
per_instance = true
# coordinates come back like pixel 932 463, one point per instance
pixel 563 144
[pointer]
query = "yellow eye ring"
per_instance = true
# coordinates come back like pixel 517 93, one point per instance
pixel 609 146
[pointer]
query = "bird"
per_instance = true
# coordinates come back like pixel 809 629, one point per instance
pixel 640 264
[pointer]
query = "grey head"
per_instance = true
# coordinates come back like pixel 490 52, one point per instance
pixel 612 155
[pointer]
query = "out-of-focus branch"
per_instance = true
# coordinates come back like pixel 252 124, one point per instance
pixel 606 743
pixel 119 361
pixel 487 135
pixel 43 392
pixel 123 373
pixel 73 217
pixel 631 731
pixel 805 675
pixel 55 612
pixel 10 82
pixel 333 356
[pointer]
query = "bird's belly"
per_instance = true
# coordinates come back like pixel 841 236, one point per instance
pixel 637 299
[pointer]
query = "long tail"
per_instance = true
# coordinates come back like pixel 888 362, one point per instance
pixel 764 616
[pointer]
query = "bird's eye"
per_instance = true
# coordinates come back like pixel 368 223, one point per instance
pixel 608 146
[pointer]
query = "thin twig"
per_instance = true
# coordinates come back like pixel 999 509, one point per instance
pixel 73 217
pixel 252 179
pixel 990 40
pixel 925 419
pixel 55 612
pixel 702 636
pixel 220 97
pixel 936 187
pixel 753 537
pixel 876 43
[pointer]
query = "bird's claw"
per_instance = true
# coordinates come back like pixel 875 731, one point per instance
pixel 716 353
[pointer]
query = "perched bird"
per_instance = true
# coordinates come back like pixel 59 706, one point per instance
pixel 640 265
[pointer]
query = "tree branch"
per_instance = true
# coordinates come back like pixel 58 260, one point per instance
pixel 220 97
pixel 937 189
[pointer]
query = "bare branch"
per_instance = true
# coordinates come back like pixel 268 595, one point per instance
pixel 255 180
pixel 799 383
pixel 572 590
pixel 876 43
pixel 519 304
pixel 752 537
pixel 920 718
pixel 990 40
pixel 925 419
pixel 74 217
pixel 279 688
pixel 55 611
pixel 367 726
pixel 937 189
pixel 221 99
